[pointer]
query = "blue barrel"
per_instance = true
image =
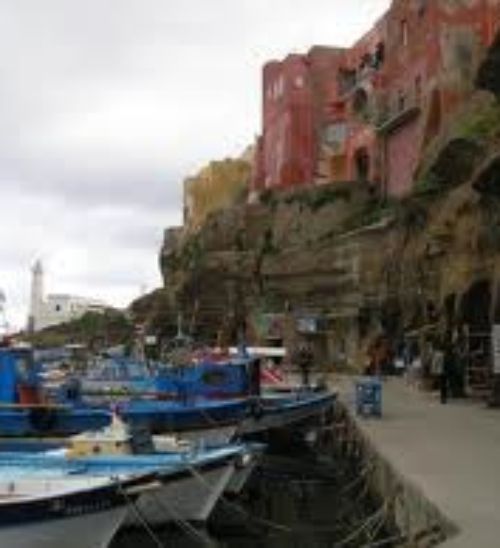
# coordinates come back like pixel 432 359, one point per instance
pixel 369 397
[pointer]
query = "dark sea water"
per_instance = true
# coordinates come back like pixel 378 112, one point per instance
pixel 290 517
pixel 298 498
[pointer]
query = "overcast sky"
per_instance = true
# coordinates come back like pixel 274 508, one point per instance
pixel 106 105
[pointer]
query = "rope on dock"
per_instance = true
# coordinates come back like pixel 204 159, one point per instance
pixel 380 513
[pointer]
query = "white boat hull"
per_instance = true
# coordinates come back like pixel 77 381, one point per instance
pixel 86 531
pixel 190 499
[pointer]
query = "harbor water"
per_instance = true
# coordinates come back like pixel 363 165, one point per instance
pixel 302 495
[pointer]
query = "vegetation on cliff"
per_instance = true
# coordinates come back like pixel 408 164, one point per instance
pixel 217 186
pixel 94 330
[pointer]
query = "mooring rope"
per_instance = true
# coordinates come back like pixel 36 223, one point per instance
pixel 364 526
pixel 362 475
pixel 389 541
pixel 182 523
pixel 376 521
pixel 142 520
pixel 239 509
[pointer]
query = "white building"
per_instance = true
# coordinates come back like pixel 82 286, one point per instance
pixel 55 309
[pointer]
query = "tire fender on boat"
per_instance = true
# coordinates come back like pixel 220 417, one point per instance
pixel 43 418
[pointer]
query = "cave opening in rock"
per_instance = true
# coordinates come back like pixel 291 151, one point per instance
pixel 475 307
pixel 475 319
pixel 449 311
pixel 488 181
pixel 496 307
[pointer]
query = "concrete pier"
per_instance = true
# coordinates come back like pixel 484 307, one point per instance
pixel 437 465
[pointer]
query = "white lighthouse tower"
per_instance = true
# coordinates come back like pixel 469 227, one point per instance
pixel 37 298
pixel 56 308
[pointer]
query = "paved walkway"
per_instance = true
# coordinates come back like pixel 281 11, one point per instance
pixel 451 452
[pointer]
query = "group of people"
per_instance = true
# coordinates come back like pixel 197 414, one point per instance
pixel 438 360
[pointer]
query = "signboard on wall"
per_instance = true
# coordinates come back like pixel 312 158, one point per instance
pixel 150 340
pixel 307 324
pixel 267 326
pixel 310 324
pixel 495 341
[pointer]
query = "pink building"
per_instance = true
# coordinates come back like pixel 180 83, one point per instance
pixel 364 113
pixel 296 93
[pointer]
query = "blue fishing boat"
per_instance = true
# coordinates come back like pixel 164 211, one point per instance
pixel 25 410
pixel 118 376
pixel 115 377
pixel 175 416
pixel 301 409
pixel 225 377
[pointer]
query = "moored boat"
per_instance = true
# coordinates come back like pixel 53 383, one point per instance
pixel 189 481
pixel 212 470
pixel 194 494
pixel 194 413
pixel 216 467
pixel 302 408
pixel 61 508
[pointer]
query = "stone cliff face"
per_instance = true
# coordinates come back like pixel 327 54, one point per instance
pixel 353 260
pixel 286 255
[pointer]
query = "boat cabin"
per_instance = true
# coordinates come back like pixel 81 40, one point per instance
pixel 19 377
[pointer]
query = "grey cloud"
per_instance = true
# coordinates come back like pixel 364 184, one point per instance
pixel 106 105
pixel 145 190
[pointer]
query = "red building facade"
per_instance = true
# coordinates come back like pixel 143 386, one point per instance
pixel 364 113
pixel 295 103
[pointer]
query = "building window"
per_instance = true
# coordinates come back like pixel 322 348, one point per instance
pixel 346 79
pixel 379 56
pixel 404 32
pixel 299 82
pixel 335 134
pixel 366 63
pixel 278 88
pixel 421 7
pixel 360 104
pixel 418 89
pixel 401 101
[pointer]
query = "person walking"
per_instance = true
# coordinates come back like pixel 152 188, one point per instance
pixel 457 382
pixel 437 369
pixel 447 369
pixel 304 358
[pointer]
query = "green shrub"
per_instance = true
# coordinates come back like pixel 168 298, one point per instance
pixel 481 124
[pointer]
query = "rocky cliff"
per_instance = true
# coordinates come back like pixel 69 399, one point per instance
pixel 350 258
